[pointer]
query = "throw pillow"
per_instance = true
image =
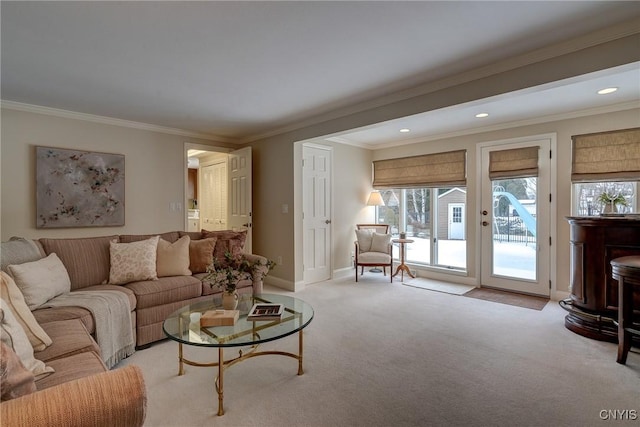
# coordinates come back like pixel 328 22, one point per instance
pixel 228 242
pixel 173 258
pixel 132 262
pixel 11 334
pixel 201 254
pixel 18 251
pixel 39 281
pixel 364 239
pixel 380 242
pixel 15 379
pixel 10 292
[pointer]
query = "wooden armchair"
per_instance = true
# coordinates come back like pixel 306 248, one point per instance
pixel 373 248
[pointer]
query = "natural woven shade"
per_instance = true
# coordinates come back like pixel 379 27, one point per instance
pixel 429 170
pixel 606 156
pixel 514 163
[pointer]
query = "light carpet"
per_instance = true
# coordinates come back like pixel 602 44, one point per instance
pixel 384 354
pixel 438 286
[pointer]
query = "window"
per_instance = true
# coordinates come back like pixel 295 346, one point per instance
pixel 587 200
pixel 434 218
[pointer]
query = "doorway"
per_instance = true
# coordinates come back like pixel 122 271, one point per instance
pixel 516 216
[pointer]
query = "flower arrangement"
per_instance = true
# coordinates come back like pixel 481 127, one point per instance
pixel 226 275
pixel 611 200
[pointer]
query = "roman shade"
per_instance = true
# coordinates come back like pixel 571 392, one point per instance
pixel 514 163
pixel 429 170
pixel 606 156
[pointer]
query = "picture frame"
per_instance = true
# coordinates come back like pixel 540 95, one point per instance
pixel 77 188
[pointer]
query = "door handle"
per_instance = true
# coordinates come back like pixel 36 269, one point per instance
pixel 484 212
pixel 485 223
pixel 328 221
pixel 246 225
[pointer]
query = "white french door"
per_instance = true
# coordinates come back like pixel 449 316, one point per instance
pixel 316 211
pixel 515 227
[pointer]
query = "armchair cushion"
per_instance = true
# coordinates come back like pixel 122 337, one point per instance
pixel 378 258
pixel 380 242
pixel 365 238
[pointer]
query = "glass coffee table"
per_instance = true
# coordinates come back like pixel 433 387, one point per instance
pixel 244 333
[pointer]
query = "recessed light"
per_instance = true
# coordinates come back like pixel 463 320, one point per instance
pixel 481 115
pixel 405 130
pixel 607 90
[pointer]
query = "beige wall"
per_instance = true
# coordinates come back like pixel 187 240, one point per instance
pixel 154 172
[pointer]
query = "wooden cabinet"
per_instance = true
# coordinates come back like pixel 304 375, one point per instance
pixel 593 304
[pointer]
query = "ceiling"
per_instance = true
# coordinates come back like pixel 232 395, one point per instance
pixel 238 70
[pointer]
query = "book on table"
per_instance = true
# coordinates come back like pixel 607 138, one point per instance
pixel 266 311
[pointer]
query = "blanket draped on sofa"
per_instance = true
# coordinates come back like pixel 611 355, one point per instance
pixel 112 317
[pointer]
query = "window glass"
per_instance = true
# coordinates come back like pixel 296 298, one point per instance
pixel 438 239
pixel 589 198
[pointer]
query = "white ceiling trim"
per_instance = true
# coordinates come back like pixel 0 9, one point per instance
pixel 29 108
pixel 500 126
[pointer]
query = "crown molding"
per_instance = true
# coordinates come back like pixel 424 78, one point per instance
pixel 595 38
pixel 38 109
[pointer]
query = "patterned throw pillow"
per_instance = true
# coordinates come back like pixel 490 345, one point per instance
pixel 173 258
pixel 228 241
pixel 132 262
pixel 201 254
pixel 15 379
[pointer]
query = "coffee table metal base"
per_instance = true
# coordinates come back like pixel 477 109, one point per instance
pixel 224 364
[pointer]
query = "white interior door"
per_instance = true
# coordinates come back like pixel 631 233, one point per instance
pixel 240 193
pixel 515 225
pixel 213 196
pixel 316 175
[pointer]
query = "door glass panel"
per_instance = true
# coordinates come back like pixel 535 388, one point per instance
pixel 514 228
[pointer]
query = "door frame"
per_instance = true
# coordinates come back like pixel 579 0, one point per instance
pixel 553 212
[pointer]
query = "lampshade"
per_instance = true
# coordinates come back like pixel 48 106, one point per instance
pixel 375 199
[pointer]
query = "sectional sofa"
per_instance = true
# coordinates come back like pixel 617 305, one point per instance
pixel 107 263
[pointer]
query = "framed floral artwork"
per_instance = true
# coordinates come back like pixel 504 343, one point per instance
pixel 78 188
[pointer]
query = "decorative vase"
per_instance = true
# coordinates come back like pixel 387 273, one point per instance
pixel 229 300
pixel 608 208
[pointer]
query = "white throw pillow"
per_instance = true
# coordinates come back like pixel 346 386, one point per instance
pixel 173 258
pixel 12 334
pixel 364 239
pixel 39 281
pixel 11 294
pixel 131 262
pixel 380 242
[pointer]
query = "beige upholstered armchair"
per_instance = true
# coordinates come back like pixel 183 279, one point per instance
pixel 373 248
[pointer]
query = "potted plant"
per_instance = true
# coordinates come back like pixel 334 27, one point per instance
pixel 228 273
pixel 611 201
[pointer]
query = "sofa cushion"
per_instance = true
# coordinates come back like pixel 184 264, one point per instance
pixel 15 379
pixel 86 259
pixel 18 251
pixel 133 261
pixel 41 280
pixel 71 368
pixel 173 258
pixel 170 237
pixel 53 314
pixel 165 290
pixel 201 254
pixel 11 334
pixel 69 337
pixel 10 292
pixel 227 242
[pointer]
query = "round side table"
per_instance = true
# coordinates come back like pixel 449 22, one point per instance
pixel 402 267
